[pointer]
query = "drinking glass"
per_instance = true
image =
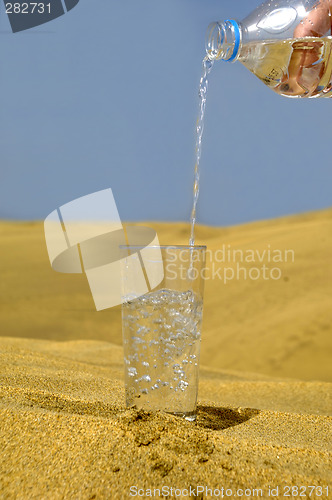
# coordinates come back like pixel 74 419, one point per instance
pixel 162 306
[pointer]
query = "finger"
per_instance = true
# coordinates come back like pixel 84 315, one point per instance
pixel 317 23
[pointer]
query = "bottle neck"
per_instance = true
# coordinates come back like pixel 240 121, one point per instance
pixel 223 40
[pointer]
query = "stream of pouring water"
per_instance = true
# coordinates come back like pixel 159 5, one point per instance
pixel 203 87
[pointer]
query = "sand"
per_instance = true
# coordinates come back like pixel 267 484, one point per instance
pixel 65 433
pixel 265 395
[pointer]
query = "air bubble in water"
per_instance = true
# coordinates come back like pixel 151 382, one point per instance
pixel 132 372
pixel 183 385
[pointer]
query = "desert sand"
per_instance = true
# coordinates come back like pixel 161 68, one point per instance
pixel 265 408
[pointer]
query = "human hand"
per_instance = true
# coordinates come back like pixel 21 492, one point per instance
pixel 306 66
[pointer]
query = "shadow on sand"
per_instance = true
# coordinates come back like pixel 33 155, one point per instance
pixel 218 418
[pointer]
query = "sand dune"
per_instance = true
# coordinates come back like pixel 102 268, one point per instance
pixel 64 431
pixel 265 395
pixel 281 328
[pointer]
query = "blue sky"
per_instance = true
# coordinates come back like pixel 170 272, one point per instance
pixel 106 96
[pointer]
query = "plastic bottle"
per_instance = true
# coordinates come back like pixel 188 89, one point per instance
pixel 287 44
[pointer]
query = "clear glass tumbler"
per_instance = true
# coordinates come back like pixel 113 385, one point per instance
pixel 162 306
